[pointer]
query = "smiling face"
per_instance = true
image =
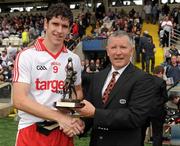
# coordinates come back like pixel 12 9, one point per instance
pixel 119 50
pixel 56 30
pixel 173 59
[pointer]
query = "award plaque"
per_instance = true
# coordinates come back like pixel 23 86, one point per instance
pixel 69 99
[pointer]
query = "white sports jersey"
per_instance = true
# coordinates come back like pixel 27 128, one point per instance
pixel 45 73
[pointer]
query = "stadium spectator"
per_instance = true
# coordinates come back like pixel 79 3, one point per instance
pixel 92 67
pixel 137 48
pixel 9 74
pixel 147 9
pixel 32 33
pixel 82 65
pixel 99 65
pixel 5 32
pixel 4 58
pixel 161 36
pixel 75 29
pixel 86 64
pixel 100 11
pixel 172 70
pixel 144 41
pixel 157 114
pixel 11 52
pixel 173 50
pixel 149 51
pixel 132 12
pixel 25 37
pixel 167 26
pixel 174 98
pixel 155 13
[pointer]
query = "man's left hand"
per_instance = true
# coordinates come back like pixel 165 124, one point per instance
pixel 87 111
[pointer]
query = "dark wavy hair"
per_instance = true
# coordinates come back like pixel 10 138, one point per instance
pixel 59 9
pixel 158 69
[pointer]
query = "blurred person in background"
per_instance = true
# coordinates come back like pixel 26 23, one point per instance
pixel 149 51
pixel 172 70
pixel 25 37
pixel 174 98
pixel 92 67
pixel 156 116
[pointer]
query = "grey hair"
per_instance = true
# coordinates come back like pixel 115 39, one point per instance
pixel 122 34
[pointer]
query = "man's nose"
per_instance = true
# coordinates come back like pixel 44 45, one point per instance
pixel 119 50
pixel 59 29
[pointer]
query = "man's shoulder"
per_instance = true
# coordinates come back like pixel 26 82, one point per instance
pixel 158 80
pixel 30 49
pixel 136 70
pixel 28 52
pixel 139 74
pixel 72 54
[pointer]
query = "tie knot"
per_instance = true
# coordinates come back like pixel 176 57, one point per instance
pixel 114 74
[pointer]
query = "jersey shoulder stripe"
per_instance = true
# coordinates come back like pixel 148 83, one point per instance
pixel 16 64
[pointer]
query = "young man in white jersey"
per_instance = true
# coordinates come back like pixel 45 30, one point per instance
pixel 38 82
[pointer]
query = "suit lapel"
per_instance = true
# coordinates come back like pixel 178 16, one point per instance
pixel 120 82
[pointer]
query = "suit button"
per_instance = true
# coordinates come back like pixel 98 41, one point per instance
pixel 100 137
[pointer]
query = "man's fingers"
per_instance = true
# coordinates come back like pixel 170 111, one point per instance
pixel 78 125
pixel 70 132
pixel 74 127
pixel 76 131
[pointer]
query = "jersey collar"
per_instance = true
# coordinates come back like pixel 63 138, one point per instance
pixel 41 47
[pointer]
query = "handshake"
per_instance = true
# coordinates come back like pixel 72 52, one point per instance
pixel 74 126
pixel 71 126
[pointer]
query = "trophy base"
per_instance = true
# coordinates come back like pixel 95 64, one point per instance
pixel 69 103
pixel 46 127
pixel 67 106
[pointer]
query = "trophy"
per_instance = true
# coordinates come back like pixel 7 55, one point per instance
pixel 67 103
pixel 69 99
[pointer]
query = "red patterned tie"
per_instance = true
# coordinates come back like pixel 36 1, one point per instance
pixel 109 87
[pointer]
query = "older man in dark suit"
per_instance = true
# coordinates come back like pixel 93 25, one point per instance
pixel 119 98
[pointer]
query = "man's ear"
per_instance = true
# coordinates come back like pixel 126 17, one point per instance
pixel 45 24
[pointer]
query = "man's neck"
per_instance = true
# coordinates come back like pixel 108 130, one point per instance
pixel 52 48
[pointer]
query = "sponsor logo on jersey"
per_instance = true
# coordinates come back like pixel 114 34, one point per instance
pixel 41 67
pixel 53 85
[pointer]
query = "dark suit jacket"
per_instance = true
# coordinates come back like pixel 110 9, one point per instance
pixel 160 98
pixel 118 122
